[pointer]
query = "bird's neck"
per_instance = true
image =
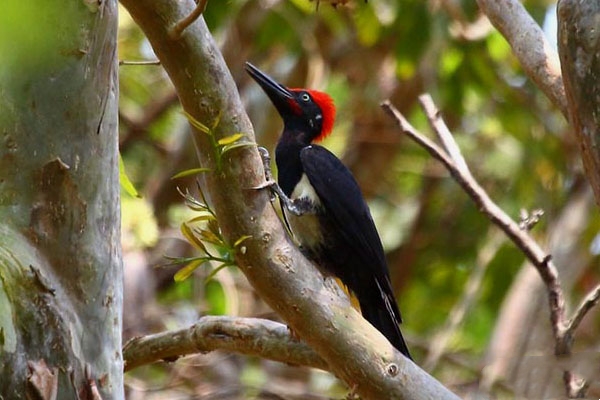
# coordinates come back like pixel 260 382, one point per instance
pixel 287 157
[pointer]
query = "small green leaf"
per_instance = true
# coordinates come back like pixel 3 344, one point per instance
pixel 241 240
pixel 229 147
pixel 191 237
pixel 189 172
pixel 210 237
pixel 230 139
pixel 203 217
pixel 217 120
pixel 186 271
pixel 125 181
pixel 197 124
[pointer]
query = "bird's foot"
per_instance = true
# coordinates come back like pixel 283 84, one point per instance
pixel 269 182
pixel 274 187
pixel 266 160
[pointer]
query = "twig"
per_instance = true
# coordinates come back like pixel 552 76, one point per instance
pixel 576 387
pixel 592 298
pixel 143 62
pixel 439 127
pixel 177 29
pixel 250 336
pixel 540 259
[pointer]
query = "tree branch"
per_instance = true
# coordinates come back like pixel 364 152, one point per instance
pixel 539 61
pixel 590 300
pixel 250 336
pixel 315 308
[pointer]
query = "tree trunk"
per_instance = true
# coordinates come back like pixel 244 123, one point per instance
pixel 60 254
pixel 579 50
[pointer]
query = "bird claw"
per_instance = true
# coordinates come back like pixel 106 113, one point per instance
pixel 266 160
pixel 268 184
pixel 273 186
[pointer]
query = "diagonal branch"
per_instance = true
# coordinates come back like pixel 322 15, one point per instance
pixel 592 299
pixel 250 336
pixel 540 260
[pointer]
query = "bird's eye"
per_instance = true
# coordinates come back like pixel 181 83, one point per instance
pixel 305 97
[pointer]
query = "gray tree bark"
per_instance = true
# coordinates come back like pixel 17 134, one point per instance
pixel 579 50
pixel 60 254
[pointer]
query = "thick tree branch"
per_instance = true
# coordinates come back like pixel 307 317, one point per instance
pixel 579 50
pixel 316 309
pixel 538 59
pixel 249 336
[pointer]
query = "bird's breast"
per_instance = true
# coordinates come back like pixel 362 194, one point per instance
pixel 307 227
pixel 305 191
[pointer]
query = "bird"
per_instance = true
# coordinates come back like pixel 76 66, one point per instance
pixel 324 208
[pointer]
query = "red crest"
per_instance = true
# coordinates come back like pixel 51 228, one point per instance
pixel 325 103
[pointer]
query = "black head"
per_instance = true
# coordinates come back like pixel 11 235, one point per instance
pixel 309 113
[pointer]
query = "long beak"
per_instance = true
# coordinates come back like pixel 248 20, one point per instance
pixel 280 95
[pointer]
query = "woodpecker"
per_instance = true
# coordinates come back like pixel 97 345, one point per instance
pixel 324 208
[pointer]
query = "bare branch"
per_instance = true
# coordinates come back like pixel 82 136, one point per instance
pixel 576 387
pixel 439 127
pixel 249 336
pixel 540 260
pixel 539 61
pixel 143 62
pixel 591 300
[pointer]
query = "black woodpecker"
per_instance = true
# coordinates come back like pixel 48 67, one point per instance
pixel 324 207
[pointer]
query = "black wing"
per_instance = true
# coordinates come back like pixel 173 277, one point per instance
pixel 344 205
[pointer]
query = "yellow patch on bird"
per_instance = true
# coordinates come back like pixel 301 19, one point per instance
pixel 351 296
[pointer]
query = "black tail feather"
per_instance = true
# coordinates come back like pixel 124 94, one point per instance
pixel 385 321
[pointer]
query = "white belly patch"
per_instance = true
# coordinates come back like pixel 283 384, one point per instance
pixel 305 190
pixel 306 228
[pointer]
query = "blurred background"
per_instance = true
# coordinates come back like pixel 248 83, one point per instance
pixel 475 313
